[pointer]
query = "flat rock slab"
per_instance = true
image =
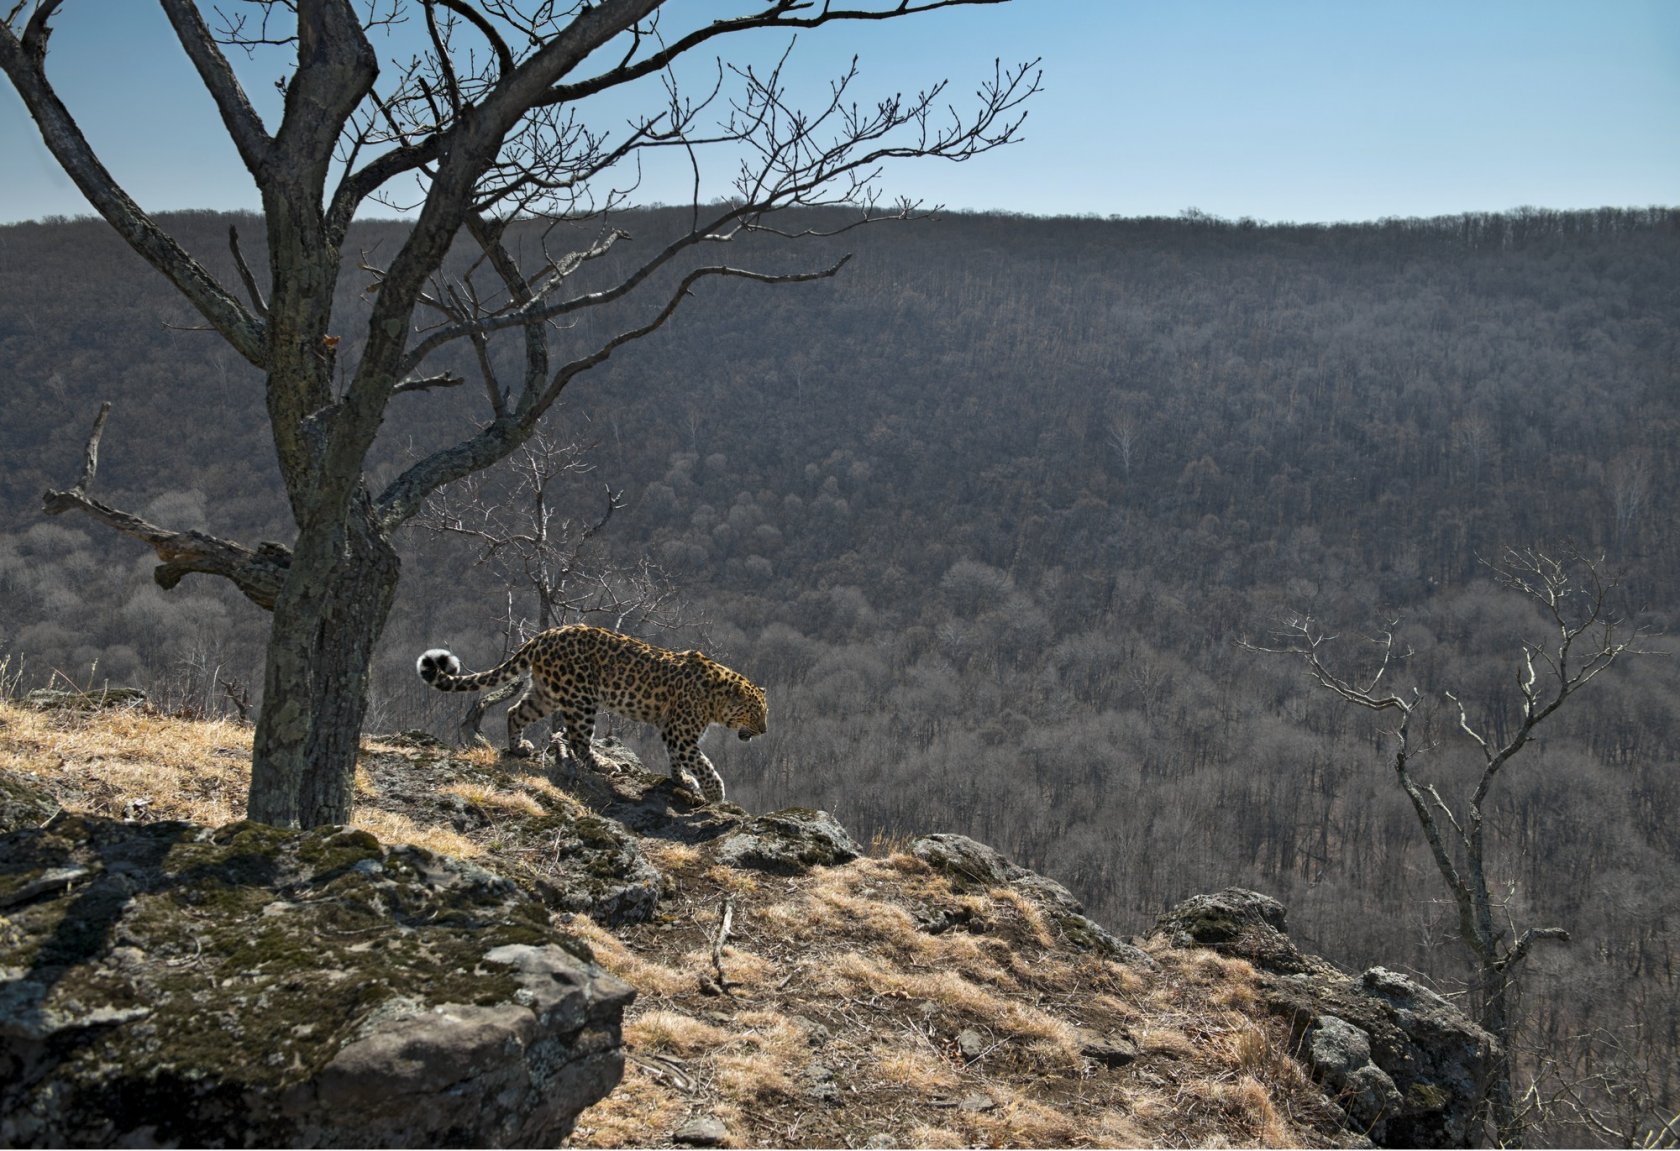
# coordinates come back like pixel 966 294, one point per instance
pixel 174 984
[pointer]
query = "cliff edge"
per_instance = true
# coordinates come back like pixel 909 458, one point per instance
pixel 457 969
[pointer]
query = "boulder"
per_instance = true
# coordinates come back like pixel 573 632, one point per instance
pixel 25 801
pixel 168 984
pixel 1236 922
pixel 1404 1065
pixel 597 867
pixel 569 857
pixel 789 842
pixel 970 864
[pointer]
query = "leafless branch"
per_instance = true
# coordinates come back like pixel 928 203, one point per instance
pixel 245 276
pixel 258 573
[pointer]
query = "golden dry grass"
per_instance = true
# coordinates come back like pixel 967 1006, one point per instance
pixel 197 771
pixel 674 1033
pixel 394 827
pixel 495 800
pixel 834 974
pixel 650 977
pixel 132 762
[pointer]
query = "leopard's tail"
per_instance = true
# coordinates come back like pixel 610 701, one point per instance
pixel 442 670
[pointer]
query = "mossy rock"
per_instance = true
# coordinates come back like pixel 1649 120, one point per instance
pixel 24 802
pixel 92 699
pixel 171 983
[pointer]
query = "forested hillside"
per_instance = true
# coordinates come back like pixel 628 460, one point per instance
pixel 986 514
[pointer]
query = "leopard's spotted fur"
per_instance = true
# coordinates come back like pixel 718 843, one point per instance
pixel 578 669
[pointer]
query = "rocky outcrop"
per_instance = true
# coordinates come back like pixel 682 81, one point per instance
pixel 173 984
pixel 789 842
pixel 1404 1065
pixel 971 864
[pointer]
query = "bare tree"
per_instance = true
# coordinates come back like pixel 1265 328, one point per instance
pixel 515 517
pixel 487 123
pixel 1586 637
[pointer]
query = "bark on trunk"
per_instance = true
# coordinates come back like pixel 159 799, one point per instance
pixel 327 622
pixel 1495 1019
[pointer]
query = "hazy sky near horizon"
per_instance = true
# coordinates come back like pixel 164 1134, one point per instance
pixel 1304 110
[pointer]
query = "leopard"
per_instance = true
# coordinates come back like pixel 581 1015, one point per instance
pixel 579 669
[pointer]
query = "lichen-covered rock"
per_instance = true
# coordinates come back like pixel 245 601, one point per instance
pixel 571 858
pixel 1406 1066
pixel 789 842
pixel 1236 922
pixel 173 984
pixel 971 864
pixel 596 866
pixel 1340 1056
pixel 93 699
pixel 24 802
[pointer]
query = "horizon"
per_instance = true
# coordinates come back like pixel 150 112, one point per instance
pixel 1188 215
pixel 1305 112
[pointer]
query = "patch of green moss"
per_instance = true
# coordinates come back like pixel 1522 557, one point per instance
pixel 1213 925
pixel 284 974
pixel 1427 1097
pixel 329 851
pixel 594 832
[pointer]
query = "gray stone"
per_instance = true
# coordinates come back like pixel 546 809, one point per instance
pixel 93 699
pixel 249 985
pixel 25 801
pixel 817 1081
pixel 789 842
pixel 1340 1056
pixel 1405 1066
pixel 579 862
pixel 701 1131
pixel 597 867
pixel 973 865
pixel 1109 1050
pixel 1236 922
pixel 970 1044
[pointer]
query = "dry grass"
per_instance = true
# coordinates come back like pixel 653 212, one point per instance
pixel 126 763
pixel 674 1033
pixel 1243 1106
pixel 840 1009
pixel 1029 913
pixel 394 827
pixel 955 993
pixel 668 855
pixel 653 979
pixel 121 757
pixel 494 800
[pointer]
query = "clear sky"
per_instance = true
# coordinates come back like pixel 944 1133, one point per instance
pixel 1306 110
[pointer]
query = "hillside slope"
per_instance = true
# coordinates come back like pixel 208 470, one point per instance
pixel 794 990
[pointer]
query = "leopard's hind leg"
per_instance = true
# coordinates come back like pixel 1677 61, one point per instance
pixel 533 703
pixel 579 721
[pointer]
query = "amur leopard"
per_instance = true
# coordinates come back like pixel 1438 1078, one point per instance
pixel 578 669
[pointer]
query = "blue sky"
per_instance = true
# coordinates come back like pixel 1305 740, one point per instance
pixel 1283 110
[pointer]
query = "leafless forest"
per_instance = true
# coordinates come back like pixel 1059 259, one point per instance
pixel 987 514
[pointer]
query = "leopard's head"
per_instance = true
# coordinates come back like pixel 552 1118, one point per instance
pixel 744 706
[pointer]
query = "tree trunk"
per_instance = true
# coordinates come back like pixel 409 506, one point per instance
pixel 327 622
pixel 1495 1019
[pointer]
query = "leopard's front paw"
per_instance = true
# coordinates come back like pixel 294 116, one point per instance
pixel 522 750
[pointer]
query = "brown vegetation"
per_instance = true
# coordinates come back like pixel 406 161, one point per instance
pixel 838 1017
